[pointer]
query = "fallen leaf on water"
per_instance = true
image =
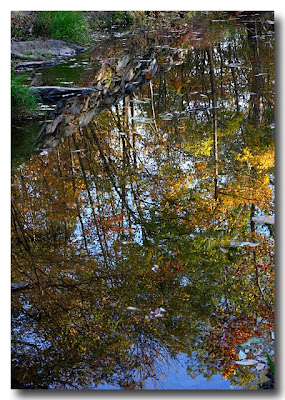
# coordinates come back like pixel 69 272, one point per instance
pixel 234 243
pixel 259 366
pixel 246 362
pixel 250 341
pixel 264 219
pixel 241 355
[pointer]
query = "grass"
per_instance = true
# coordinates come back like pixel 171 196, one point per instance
pixel 65 25
pixel 271 363
pixel 23 98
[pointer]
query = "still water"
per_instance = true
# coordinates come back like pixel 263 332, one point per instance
pixel 143 215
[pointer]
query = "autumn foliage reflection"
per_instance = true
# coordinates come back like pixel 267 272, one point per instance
pixel 134 212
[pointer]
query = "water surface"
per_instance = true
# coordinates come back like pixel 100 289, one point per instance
pixel 142 234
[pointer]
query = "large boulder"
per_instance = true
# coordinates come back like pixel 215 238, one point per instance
pixel 36 49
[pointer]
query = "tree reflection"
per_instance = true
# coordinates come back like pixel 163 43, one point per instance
pixel 130 214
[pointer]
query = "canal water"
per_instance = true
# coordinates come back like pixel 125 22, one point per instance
pixel 143 213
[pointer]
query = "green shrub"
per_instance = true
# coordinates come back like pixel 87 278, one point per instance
pixel 106 19
pixel 22 23
pixel 23 98
pixel 66 25
pixel 122 18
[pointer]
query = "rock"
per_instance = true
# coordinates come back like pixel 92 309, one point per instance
pixel 69 130
pixel 122 63
pixel 52 126
pixel 130 75
pixel 48 140
pixel 154 69
pixel 74 106
pixel 130 88
pixel 110 100
pixel 35 64
pixel 105 76
pixel 37 48
pixel 52 94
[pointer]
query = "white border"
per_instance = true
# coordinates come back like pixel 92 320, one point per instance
pixel 274 5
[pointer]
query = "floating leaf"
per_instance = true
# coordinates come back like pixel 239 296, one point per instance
pixel 262 359
pixel 142 119
pixel 234 243
pixel 237 65
pixel 250 341
pixel 241 355
pixel 78 151
pixel 145 101
pixel 264 219
pixel 260 366
pixel 246 362
pixel 166 116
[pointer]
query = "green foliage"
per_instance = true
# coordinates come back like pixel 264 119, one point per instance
pixel 22 24
pixel 23 98
pixel 66 25
pixel 122 17
pixel 106 19
pixel 23 141
pixel 271 363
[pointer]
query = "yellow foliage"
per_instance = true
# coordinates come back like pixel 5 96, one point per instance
pixel 261 161
pixel 204 148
